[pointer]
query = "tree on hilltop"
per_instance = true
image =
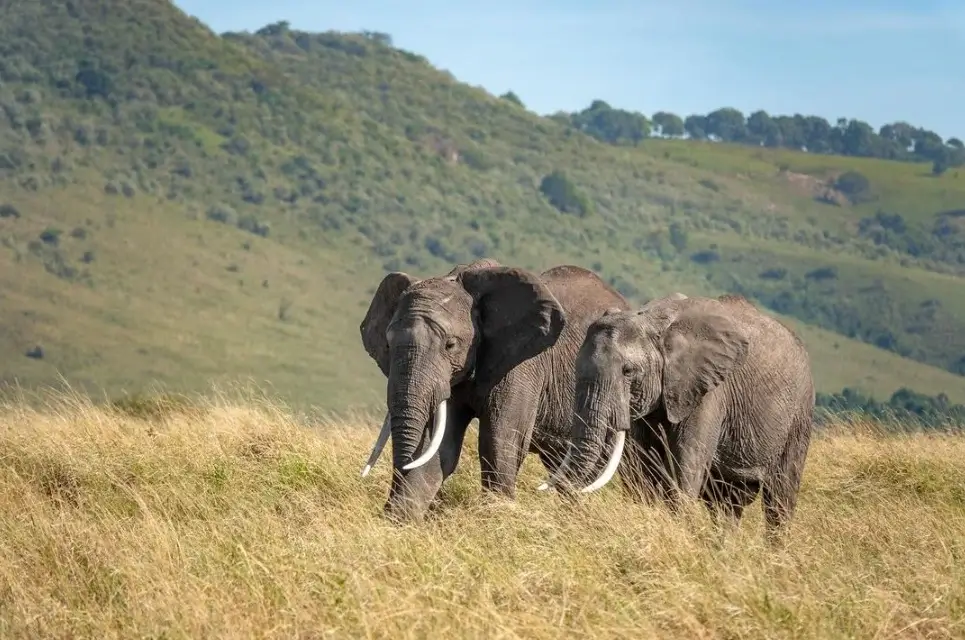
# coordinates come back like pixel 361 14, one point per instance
pixel 814 134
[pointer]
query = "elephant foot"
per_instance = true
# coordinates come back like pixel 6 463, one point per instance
pixel 404 512
pixel 498 496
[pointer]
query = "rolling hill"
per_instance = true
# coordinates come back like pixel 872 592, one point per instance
pixel 186 208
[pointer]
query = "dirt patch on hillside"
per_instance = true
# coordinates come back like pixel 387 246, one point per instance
pixel 442 146
pixel 810 186
pixel 802 184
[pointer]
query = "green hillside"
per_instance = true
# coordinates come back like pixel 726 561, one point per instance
pixel 185 208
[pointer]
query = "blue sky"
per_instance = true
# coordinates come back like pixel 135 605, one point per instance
pixel 878 61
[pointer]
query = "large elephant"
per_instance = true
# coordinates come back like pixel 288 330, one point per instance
pixel 486 341
pixel 718 398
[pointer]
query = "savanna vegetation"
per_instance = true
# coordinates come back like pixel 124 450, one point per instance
pixel 234 517
pixel 179 207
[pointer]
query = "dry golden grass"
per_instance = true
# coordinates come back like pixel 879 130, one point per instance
pixel 238 520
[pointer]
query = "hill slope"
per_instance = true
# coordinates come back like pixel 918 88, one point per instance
pixel 183 207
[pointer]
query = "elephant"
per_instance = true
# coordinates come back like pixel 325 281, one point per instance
pixel 484 341
pixel 718 398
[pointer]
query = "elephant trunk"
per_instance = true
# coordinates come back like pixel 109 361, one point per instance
pixel 600 415
pixel 415 393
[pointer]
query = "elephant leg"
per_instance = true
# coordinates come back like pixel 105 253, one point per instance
pixel 420 487
pixel 783 480
pixel 692 448
pixel 451 448
pixel 644 467
pixel 727 499
pixel 551 456
pixel 505 431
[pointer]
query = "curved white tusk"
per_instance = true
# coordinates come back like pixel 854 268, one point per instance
pixel 611 466
pixel 379 445
pixel 438 431
pixel 560 470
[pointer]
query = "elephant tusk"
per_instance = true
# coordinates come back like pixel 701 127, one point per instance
pixel 611 466
pixel 560 470
pixel 379 445
pixel 438 431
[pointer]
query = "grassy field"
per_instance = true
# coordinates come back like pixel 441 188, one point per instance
pixel 235 518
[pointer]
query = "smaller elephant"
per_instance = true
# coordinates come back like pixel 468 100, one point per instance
pixel 718 398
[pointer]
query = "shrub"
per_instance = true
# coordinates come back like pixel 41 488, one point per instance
pixel 511 96
pixel 707 183
pixel 564 195
pixel 706 256
pixel 252 225
pixel 475 159
pixel 775 273
pixel 854 185
pixel 222 213
pixel 678 236
pixel 95 82
pixel 51 236
pixel 822 273
pixel 238 145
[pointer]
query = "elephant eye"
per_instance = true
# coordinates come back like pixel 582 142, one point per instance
pixel 628 370
pixel 451 344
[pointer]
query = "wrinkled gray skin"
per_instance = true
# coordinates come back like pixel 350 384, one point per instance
pixel 496 343
pixel 723 388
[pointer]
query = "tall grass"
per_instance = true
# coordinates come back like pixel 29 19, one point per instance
pixel 235 519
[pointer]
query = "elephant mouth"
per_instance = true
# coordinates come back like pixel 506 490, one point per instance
pixel 438 432
pixel 609 470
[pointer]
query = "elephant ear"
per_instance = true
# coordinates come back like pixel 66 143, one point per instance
pixel 518 316
pixel 484 263
pixel 381 309
pixel 700 349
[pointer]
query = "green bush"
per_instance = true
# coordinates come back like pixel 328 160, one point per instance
pixel 222 213
pixel 51 236
pixel 564 195
pixel 251 224
pixel 854 185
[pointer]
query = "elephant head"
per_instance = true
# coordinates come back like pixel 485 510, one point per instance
pixel 668 355
pixel 429 335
